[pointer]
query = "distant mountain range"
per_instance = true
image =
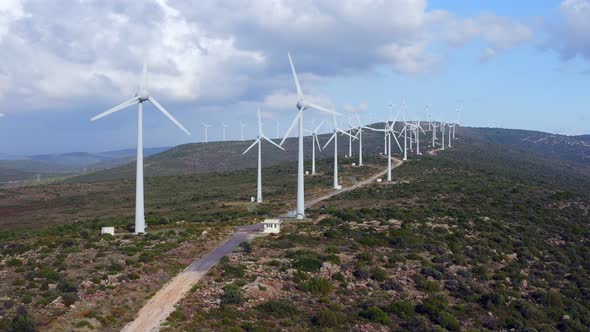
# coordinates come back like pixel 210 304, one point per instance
pixel 227 156
pixel 20 168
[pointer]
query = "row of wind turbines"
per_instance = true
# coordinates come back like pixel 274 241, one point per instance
pixel 411 133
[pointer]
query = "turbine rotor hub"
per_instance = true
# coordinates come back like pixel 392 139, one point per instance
pixel 300 105
pixel 142 95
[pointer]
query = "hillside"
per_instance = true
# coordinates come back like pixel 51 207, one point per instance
pixel 479 237
pixel 571 148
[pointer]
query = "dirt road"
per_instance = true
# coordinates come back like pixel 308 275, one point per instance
pixel 155 312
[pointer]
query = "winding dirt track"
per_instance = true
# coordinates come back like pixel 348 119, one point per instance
pixel 157 309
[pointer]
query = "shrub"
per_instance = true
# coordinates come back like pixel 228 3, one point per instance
pixel 328 318
pixel 375 314
pixel 246 246
pixel 232 294
pixel 448 321
pixel 23 322
pixel 234 271
pixel 67 286
pixel 316 286
pixel 278 308
pixel 378 274
pixel 69 299
pixel 402 309
pixel 14 262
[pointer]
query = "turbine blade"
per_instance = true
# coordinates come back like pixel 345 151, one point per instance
pixel 398 145
pixel 299 92
pixel 251 146
pixel 319 108
pixel 318 127
pixel 117 108
pixel 273 143
pixel 345 133
pixel 291 126
pixel 317 140
pixel 168 115
pixel 330 140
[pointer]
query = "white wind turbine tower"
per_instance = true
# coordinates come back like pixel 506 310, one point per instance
pixel 405 132
pixel 442 130
pixel 335 138
pixel 389 131
pixel 350 137
pixel 223 126
pixel 418 128
pixel 242 126
pixel 428 117
pixel 301 107
pixel 140 97
pixel 258 141
pixel 314 141
pixel 434 126
pixel 207 126
pixel 451 126
pixel 360 138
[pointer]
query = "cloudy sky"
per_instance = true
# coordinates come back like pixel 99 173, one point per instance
pixel 517 64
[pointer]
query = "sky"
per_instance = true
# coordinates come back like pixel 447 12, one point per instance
pixel 514 64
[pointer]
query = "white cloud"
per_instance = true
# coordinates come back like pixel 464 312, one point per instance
pixel 220 52
pixel 571 37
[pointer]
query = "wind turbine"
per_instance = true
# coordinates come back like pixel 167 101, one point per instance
pixel 141 96
pixel 451 126
pixel 360 137
pixel 242 126
pixel 301 107
pixel 258 141
pixel 207 126
pixel 405 132
pixel 428 117
pixel 223 126
pixel 418 128
pixel 442 130
pixel 314 141
pixel 434 126
pixel 389 131
pixel 335 138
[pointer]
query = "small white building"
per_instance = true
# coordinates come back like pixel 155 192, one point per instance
pixel 271 226
pixel 108 230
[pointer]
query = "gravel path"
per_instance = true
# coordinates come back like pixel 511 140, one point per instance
pixel 155 312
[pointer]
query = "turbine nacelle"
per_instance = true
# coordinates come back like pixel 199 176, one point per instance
pixel 301 105
pixel 142 95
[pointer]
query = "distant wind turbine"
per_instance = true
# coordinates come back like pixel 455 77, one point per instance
pixel 223 126
pixel 335 138
pixel 242 126
pixel 141 96
pixel 207 126
pixel 389 132
pixel 258 141
pixel 314 141
pixel 302 105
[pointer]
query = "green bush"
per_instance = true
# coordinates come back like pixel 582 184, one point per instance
pixel 328 318
pixel 278 308
pixel 69 299
pixel 375 314
pixel 316 286
pixel 232 294
pixel 448 321
pixel 14 262
pixel 23 322
pixel 402 309
pixel 233 271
